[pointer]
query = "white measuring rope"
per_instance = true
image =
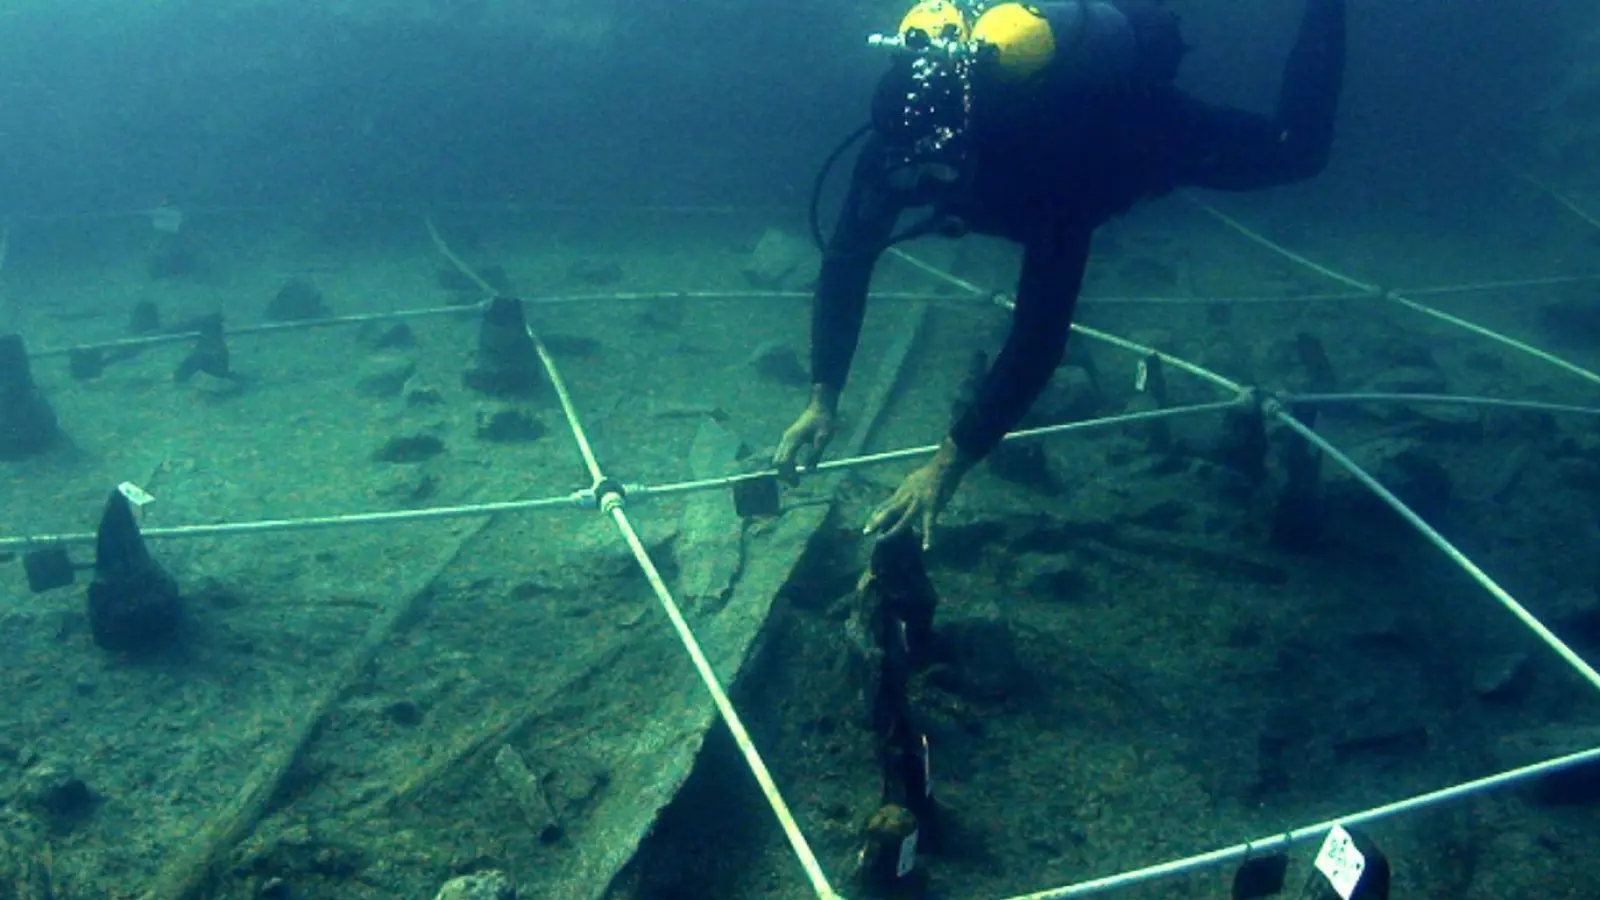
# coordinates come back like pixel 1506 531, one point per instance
pixel 1279 842
pixel 577 499
pixel 1257 238
pixel 1507 285
pixel 725 707
pixel 612 504
pixel 1441 399
pixel 410 210
pixel 1559 197
pixel 310 523
pixel 1438 540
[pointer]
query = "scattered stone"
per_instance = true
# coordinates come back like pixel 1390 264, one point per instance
pixel 781 261
pixel 1503 679
pixel 1509 473
pixel 398 336
pixel 1408 380
pixel 571 345
pixel 679 410
pixel 595 272
pixel 209 387
pixel 1406 468
pixel 410 448
pixel 979 649
pixel 778 361
pixel 419 394
pixel 490 885
pixel 1446 422
pixel 384 376
pixel 404 712
pixel 409 487
pixel 1389 739
pixel 527 790
pixel 509 425
pixel 1058 584
pixel 53 791
pixel 297 299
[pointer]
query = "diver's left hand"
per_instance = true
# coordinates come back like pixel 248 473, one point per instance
pixel 922 496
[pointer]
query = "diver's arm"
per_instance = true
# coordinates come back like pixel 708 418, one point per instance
pixel 1230 149
pixel 1047 293
pixel 840 302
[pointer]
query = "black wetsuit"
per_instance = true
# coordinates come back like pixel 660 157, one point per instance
pixel 1051 166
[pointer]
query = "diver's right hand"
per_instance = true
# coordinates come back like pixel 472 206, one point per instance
pixel 810 433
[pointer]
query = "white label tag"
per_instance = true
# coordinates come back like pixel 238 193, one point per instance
pixel 166 219
pixel 908 856
pixel 927 768
pixel 1340 862
pixel 135 494
pixel 1141 376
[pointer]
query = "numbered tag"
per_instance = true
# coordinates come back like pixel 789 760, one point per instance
pixel 137 496
pixel 908 856
pixel 1141 376
pixel 1340 862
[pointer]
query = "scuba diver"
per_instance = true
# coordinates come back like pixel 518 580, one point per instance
pixel 1037 123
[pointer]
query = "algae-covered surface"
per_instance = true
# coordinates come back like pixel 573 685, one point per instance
pixel 1133 670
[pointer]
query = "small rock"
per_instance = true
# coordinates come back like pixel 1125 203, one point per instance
pixel 1504 679
pixel 490 885
pixel 55 792
pixel 509 426
pixel 1447 422
pixel 398 336
pixel 209 387
pixel 778 361
pixel 673 409
pixel 1058 584
pixel 419 393
pixel 385 376
pixel 1408 380
pixel 297 299
pixel 572 345
pixel 409 487
pixel 404 712
pixel 980 649
pixel 1412 474
pixel 409 448
pixel 781 261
